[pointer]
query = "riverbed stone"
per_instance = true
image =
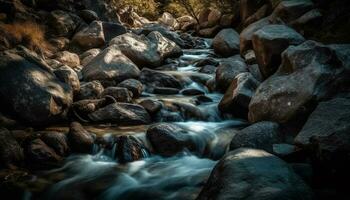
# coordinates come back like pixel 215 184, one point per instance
pixel 226 42
pixel 263 174
pixel 11 153
pixel 80 140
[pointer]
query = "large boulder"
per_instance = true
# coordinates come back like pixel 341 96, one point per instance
pixel 10 152
pixel 226 42
pixel 80 140
pixel 88 55
pixel 238 95
pixel 269 42
pixel 167 19
pixel 90 90
pixel 227 71
pixel 214 17
pixel 169 139
pixel 118 93
pixel 247 34
pixel 138 48
pixel 289 11
pixel 91 36
pixel 262 135
pixel 309 73
pixel 121 113
pixel 30 92
pixel 171 35
pixel 262 12
pixel 111 65
pixel 57 141
pixel 165 47
pixel 254 174
pixel 159 79
pixel 327 131
pixel 249 7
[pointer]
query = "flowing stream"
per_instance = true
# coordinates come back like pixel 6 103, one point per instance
pixel 100 176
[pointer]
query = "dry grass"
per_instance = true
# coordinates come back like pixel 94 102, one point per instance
pixel 28 34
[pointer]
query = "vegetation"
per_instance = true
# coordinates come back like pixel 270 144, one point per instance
pixel 28 33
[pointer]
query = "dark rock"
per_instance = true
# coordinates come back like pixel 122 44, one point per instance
pixel 207 61
pixel 68 58
pixel 255 71
pixel 118 93
pixel 269 42
pixel 10 152
pixel 90 90
pixel 159 79
pixel 249 7
pixel 62 22
pixel 152 106
pixel 326 131
pixel 209 32
pixel 261 173
pixel 192 92
pixel 228 70
pixel 82 108
pixel 289 11
pixel 226 42
pixel 112 30
pixel 238 95
pixel 38 154
pixel 165 90
pixel 309 73
pixel 80 140
pixel 208 69
pixel 132 85
pixel 129 149
pixel 57 141
pixel 30 92
pixel 261 135
pixel 111 65
pixel 121 113
pixel 171 35
pixel 88 56
pixel 169 139
pixel 88 16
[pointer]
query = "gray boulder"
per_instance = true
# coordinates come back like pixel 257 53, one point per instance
pixel 226 42
pixel 91 36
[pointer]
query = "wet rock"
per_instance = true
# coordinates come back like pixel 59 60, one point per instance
pixel 30 92
pixel 111 65
pixel 309 72
pixel 68 58
pixel 203 99
pixel 57 141
pixel 90 90
pixel 112 30
pixel 82 108
pixel 208 69
pixel 169 139
pixel 207 61
pixel 91 36
pixel 152 106
pixel 122 114
pixel 133 85
pixel 209 32
pixel 227 20
pixel 255 71
pixel 187 111
pixel 80 140
pixel 262 135
pixel 165 47
pixel 159 79
pixel 269 42
pixel 88 16
pixel 191 92
pixel 11 153
pixel 88 56
pixel 68 76
pixel 326 131
pixel 62 22
pixel 283 150
pixel 39 155
pixel 261 173
pixel 226 42
pixel 129 149
pixel 118 93
pixel 228 70
pixel 165 90
pixel 139 49
pixel 238 95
